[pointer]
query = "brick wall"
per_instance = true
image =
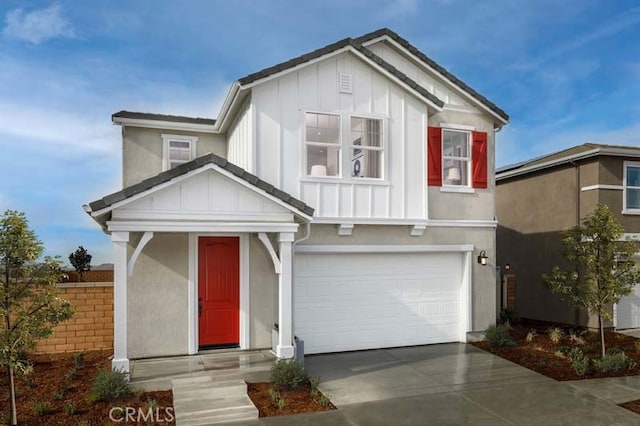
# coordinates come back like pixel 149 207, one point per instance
pixel 92 325
pixel 99 276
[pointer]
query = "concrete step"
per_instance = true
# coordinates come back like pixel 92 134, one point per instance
pixel 199 401
pixel 189 381
pixel 230 416
pixel 211 391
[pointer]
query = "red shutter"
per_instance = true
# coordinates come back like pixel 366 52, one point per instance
pixel 434 156
pixel 479 160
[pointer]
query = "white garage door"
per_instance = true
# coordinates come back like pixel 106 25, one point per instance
pixel 363 301
pixel 628 310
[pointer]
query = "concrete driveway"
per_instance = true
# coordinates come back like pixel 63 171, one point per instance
pixel 446 384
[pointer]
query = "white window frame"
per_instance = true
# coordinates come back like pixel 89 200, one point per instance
pixel 380 149
pixel 325 144
pixel 166 139
pixel 625 209
pixel 344 174
pixel 469 159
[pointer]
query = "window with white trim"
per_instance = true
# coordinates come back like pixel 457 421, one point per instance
pixel 632 187
pixel 366 148
pixel 456 158
pixel 178 149
pixel 322 143
pixel 363 145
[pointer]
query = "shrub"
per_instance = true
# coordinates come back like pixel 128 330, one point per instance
pixel 637 345
pixel 32 384
pixel 498 337
pixel 109 385
pixel 531 335
pixel 41 408
pixel 508 316
pixel 612 363
pixel 78 359
pixel 323 401
pixel 555 334
pixel 281 404
pixel 58 396
pixel 71 374
pixel 579 361
pixel 288 373
pixel 314 384
pixel 578 340
pixel 274 394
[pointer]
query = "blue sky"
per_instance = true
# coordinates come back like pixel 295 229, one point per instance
pixel 567 72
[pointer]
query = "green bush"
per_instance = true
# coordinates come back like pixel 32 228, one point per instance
pixel 508 316
pixel 69 408
pixel 109 385
pixel 531 335
pixel 612 363
pixel 498 337
pixel 555 334
pixel 288 373
pixel 579 361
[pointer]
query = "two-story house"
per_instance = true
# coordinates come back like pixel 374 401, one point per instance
pixel 539 199
pixel 346 195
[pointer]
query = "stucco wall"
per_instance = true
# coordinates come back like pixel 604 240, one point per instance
pixel 157 297
pixel 142 150
pixel 263 295
pixel 480 204
pixel 484 279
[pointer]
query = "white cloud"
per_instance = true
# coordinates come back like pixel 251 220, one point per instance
pixel 38 25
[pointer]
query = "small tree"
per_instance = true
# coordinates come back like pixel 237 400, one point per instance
pixel 602 266
pixel 29 303
pixel 81 261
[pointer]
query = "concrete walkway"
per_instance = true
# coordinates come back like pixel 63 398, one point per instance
pixel 448 384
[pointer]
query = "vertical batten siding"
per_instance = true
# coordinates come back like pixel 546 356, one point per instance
pixel 280 105
pixel 239 139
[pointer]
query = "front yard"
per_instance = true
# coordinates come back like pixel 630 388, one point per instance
pixel 57 392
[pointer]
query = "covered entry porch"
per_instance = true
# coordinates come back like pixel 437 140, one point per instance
pixel 202 258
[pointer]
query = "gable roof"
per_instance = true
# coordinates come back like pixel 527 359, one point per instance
pixel 347 42
pixel 198 163
pixel 434 65
pixel 568 155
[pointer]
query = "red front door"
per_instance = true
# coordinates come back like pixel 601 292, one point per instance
pixel 218 291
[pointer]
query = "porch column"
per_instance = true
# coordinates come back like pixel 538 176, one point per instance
pixel 285 313
pixel 120 357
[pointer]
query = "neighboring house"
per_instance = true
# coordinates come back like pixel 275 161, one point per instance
pixel 539 199
pixel 347 195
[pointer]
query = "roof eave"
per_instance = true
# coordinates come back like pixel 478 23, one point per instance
pixel 163 124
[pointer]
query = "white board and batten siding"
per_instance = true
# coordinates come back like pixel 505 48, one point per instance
pixel 240 139
pixel 377 300
pixel 280 105
pixel 205 196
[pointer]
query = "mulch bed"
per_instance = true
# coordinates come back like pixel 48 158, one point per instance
pixel 632 406
pixel 540 354
pixel 48 378
pixel 296 401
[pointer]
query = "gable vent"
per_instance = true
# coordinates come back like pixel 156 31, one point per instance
pixel 345 83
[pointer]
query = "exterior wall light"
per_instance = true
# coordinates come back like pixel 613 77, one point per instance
pixel 482 258
pixel 507 267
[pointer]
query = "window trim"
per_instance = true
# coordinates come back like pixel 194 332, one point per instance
pixel 625 209
pixel 167 138
pixel 344 175
pixel 469 160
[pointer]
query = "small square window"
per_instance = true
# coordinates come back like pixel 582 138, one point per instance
pixel 178 150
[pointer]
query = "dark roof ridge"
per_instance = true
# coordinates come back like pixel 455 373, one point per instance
pixel 162 117
pixel 195 164
pixel 433 64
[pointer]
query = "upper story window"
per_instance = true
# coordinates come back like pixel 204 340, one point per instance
pixel 322 140
pixel 324 144
pixel 178 149
pixel 632 186
pixel 456 158
pixel 366 147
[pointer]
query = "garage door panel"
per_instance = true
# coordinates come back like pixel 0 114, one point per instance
pixel 366 301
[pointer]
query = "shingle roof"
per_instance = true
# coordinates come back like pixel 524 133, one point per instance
pixel 199 162
pixel 332 48
pixel 566 154
pixel 431 63
pixel 163 117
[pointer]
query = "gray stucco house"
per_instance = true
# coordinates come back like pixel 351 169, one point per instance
pixel 346 194
pixel 539 199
